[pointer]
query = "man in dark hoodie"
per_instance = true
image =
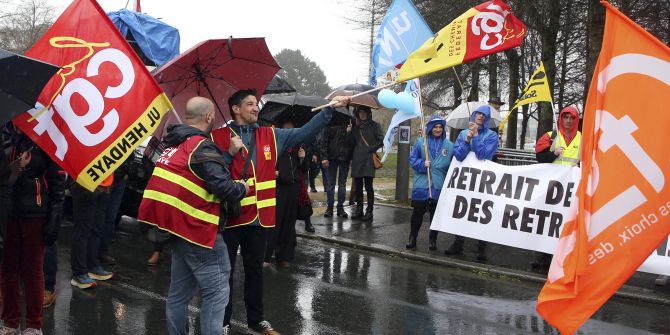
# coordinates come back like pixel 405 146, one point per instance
pixel 182 197
pixel 244 139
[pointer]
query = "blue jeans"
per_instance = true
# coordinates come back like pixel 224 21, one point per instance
pixel 196 267
pixel 111 213
pixel 333 166
pixel 89 217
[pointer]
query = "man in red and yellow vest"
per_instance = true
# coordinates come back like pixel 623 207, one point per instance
pixel 183 197
pixel 258 208
pixel 561 148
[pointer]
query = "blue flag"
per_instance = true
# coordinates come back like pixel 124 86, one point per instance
pixel 402 31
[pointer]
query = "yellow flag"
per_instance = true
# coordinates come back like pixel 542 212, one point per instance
pixel 536 90
pixel 485 29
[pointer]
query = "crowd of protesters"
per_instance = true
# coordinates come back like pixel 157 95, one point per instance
pixel 243 180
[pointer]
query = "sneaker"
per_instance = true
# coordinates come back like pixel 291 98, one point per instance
pixel 82 281
pixel 9 331
pixel 31 331
pixel 100 274
pixel 226 330
pixel 263 328
pixel 662 280
pixel 328 213
pixel 49 298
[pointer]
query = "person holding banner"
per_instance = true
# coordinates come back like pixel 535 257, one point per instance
pixel 483 142
pixel 561 147
pixel 183 198
pixel 431 157
pixel 246 141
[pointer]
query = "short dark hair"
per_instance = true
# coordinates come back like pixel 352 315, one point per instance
pixel 237 97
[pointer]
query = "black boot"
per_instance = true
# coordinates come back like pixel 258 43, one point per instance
pixel 368 215
pixel 411 244
pixel 481 251
pixel 358 212
pixel 432 240
pixel 328 213
pixel 309 227
pixel 456 248
pixel 341 213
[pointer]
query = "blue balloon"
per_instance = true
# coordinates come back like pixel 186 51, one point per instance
pixel 387 98
pixel 405 103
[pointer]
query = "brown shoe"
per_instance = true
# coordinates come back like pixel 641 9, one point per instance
pixel 284 264
pixel 49 299
pixel 264 328
pixel 154 259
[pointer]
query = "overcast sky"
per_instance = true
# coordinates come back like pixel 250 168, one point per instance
pixel 316 27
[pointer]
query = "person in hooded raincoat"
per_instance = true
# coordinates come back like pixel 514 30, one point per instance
pixel 564 146
pixel 560 147
pixel 483 142
pixel 436 163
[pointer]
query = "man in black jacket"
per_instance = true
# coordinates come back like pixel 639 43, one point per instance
pixel 5 192
pixel 336 148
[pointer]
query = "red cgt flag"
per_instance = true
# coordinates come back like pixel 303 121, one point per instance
pixel 103 102
pixel 620 221
pixel 485 29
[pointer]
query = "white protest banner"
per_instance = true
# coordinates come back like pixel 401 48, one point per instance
pixel 518 206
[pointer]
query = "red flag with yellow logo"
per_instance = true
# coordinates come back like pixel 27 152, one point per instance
pixel 624 212
pixel 103 102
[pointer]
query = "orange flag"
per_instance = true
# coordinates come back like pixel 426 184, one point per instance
pixel 624 194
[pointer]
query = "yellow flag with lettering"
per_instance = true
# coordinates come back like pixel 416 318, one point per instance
pixel 536 90
pixel 484 29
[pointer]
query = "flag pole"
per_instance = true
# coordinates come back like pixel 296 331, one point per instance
pixel 462 90
pixel 425 144
pixel 357 95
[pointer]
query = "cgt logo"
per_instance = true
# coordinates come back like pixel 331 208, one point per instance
pixel 79 116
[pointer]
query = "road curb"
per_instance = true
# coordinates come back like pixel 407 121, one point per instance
pixel 626 292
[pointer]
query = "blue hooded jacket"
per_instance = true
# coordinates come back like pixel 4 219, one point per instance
pixel 440 151
pixel 485 145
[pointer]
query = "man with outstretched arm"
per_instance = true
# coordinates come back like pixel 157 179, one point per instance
pixel 252 154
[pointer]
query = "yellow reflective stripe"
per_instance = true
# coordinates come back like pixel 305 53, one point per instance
pixel 267 203
pixel 182 206
pixel 250 182
pixel 264 185
pixel 248 201
pixel 185 183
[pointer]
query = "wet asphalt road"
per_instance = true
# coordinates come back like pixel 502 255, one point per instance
pixel 333 290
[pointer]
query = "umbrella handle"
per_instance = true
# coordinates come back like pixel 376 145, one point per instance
pixel 315 109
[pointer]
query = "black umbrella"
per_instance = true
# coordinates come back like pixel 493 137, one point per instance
pixel 296 108
pixel 21 82
pixel 279 85
pixel 368 99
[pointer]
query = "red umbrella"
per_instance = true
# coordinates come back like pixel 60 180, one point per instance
pixel 216 69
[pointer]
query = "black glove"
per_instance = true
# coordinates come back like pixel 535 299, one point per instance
pixel 52 226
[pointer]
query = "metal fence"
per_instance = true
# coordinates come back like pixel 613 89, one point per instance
pixel 506 156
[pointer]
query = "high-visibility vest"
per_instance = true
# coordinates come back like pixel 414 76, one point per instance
pixel 261 200
pixel 176 199
pixel 571 152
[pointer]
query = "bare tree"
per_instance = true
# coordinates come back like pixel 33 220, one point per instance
pixel 24 24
